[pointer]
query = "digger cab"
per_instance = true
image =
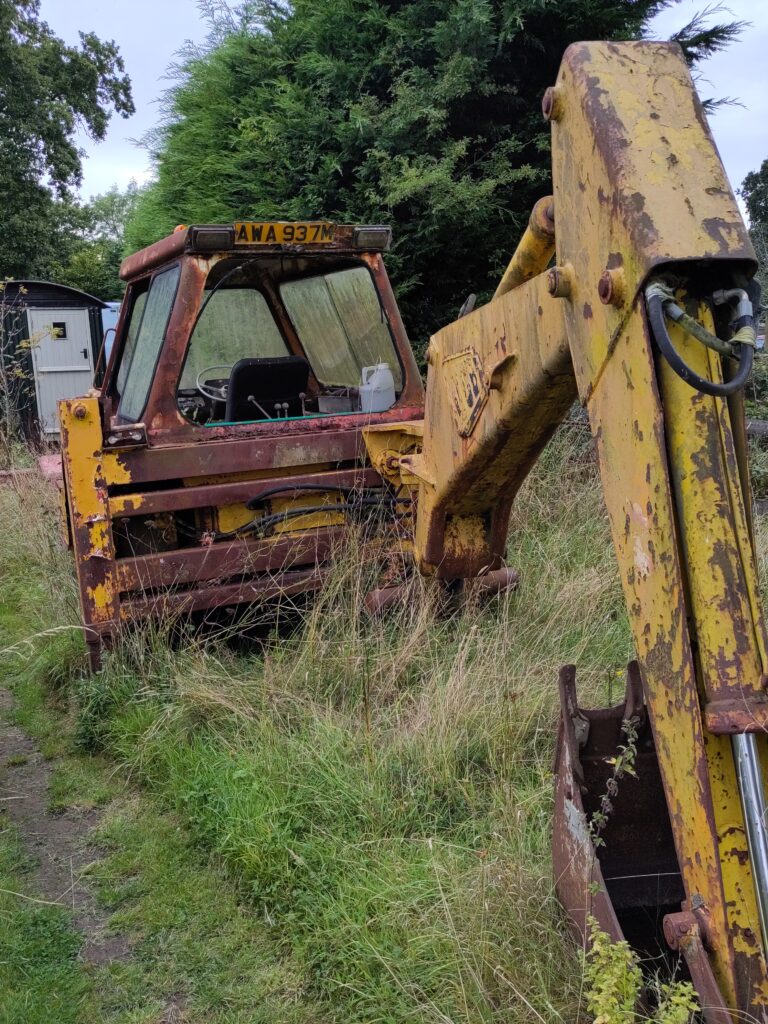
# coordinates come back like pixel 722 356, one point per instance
pixel 231 330
pixel 246 362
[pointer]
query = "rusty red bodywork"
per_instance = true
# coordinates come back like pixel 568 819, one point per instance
pixel 166 467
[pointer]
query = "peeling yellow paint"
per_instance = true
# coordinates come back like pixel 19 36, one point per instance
pixel 88 508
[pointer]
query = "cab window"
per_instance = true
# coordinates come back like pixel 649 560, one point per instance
pixel 341 325
pixel 138 363
pixel 235 324
pixel 284 338
pixel 130 339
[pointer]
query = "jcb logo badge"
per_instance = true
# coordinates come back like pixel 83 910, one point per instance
pixel 467 387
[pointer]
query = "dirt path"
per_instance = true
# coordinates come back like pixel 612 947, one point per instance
pixel 56 843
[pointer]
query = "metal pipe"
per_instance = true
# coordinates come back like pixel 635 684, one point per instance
pixel 535 249
pixel 747 758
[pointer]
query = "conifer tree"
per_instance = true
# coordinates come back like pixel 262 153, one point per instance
pixel 425 114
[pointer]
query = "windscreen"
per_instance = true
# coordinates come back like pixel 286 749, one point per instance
pixel 235 324
pixel 284 337
pixel 341 325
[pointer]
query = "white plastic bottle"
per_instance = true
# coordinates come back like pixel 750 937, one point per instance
pixel 377 388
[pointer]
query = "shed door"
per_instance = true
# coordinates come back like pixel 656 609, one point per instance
pixel 62 359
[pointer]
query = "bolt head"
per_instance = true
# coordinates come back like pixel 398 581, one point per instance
pixel 611 287
pixel 551 104
pixel 559 281
pixel 79 411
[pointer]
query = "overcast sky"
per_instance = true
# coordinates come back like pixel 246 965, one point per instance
pixel 150 32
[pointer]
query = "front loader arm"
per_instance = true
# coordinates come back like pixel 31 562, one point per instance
pixel 639 196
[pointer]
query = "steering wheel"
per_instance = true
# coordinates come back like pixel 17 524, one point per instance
pixel 215 394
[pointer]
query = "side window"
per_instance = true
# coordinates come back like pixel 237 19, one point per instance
pixel 140 364
pixel 130 341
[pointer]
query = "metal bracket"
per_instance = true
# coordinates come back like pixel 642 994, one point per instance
pixel 683 933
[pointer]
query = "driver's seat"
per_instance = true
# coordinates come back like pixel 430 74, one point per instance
pixel 256 386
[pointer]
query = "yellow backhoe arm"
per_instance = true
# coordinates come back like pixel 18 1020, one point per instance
pixel 650 246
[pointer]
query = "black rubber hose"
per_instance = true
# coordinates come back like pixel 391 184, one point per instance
pixel 253 503
pixel 682 369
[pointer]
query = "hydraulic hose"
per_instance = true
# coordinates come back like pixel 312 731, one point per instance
pixel 742 343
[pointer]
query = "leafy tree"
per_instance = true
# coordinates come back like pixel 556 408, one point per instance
pixel 47 89
pixel 754 192
pixel 92 248
pixel 424 114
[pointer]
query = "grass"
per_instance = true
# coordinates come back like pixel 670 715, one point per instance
pixel 380 793
pixel 194 943
pixel 40 978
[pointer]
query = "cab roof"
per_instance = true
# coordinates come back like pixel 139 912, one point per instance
pixel 294 237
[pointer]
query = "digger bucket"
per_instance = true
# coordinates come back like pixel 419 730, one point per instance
pixel 612 847
pixel 617 865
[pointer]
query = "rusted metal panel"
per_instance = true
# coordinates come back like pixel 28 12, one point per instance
pixel 469 482
pixel 224 560
pixel 287 451
pixel 682 932
pixel 159 252
pixel 317 426
pixel 726 622
pixel 720 562
pixel 183 240
pixel 229 492
pixel 178 602
pixel 626 418
pixel 579 879
pixel 634 161
pixel 90 522
pixel 729 717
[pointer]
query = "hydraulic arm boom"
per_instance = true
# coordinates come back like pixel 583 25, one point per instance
pixel 652 269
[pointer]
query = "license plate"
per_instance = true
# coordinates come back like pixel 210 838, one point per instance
pixel 253 233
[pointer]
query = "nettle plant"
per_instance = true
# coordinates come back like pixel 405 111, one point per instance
pixel 613 983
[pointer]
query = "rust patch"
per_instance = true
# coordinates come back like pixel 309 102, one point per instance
pixel 721 231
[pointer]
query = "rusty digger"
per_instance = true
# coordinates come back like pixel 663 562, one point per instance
pixel 261 394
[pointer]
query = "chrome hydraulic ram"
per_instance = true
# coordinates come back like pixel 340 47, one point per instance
pixel 752 790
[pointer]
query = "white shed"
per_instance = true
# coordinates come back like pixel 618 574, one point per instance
pixel 52 334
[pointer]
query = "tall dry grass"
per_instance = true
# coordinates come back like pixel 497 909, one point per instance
pixel 381 790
